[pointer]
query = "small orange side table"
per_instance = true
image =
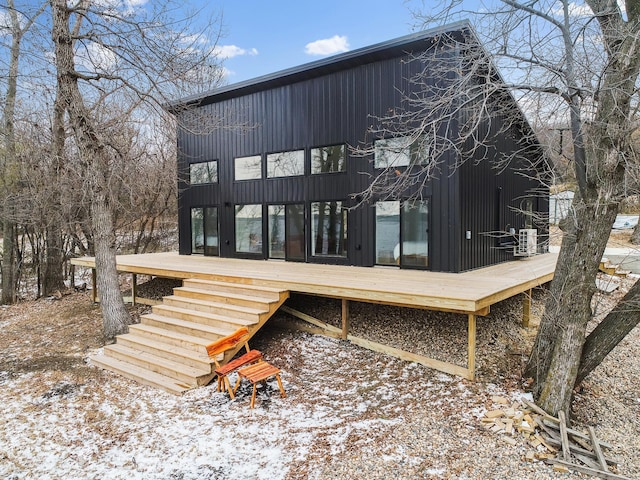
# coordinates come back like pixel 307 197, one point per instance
pixel 260 372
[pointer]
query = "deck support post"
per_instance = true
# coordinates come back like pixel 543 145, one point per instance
pixel 94 285
pixel 471 362
pixel 345 318
pixel 526 308
pixel 134 285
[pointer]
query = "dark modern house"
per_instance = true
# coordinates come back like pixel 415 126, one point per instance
pixel 277 177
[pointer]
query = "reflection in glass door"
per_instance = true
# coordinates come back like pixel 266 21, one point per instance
pixel 204 231
pixel 286 232
pixel 388 233
pixel 402 234
pixel 197 231
pixel 211 239
pixel 249 229
pixel 415 234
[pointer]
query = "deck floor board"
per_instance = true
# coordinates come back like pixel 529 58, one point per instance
pixel 466 292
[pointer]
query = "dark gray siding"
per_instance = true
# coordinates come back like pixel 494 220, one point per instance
pixel 337 107
pixel 331 109
pixel 491 196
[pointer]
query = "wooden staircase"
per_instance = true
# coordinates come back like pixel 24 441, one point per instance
pixel 167 349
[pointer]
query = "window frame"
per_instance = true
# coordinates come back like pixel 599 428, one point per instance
pixel 344 159
pixel 206 162
pixel 344 239
pixel 257 252
pixel 410 152
pixel 302 163
pixel 248 157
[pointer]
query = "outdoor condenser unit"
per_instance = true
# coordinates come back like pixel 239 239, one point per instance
pixel 527 243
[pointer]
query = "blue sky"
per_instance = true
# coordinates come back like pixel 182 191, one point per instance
pixel 262 37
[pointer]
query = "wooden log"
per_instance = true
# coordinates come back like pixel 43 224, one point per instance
pixel 564 438
pixel 597 449
pixel 589 471
pixel 579 450
pixel 574 433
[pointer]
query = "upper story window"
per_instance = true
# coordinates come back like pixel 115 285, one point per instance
pixel 203 172
pixel 248 168
pixel 328 159
pixel 398 152
pixel 285 164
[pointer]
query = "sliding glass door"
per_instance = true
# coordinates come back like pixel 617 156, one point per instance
pixel 204 231
pixel 287 232
pixel 402 233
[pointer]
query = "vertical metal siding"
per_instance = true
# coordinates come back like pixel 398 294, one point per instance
pixel 331 109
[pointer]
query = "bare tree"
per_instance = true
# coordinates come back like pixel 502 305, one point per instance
pixel 18 24
pixel 568 64
pixel 107 53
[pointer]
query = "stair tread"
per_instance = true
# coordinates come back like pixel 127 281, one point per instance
pixel 141 327
pixel 155 359
pixel 227 306
pixel 140 374
pixel 231 295
pixel 232 284
pixel 164 347
pixel 209 315
pixel 219 331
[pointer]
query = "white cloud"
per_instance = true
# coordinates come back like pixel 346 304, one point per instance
pixel 96 58
pixel 5 22
pixel 580 9
pixel 327 46
pixel 119 7
pixel 230 51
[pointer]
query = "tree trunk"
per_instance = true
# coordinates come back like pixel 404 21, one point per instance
pixel 96 162
pixel 555 358
pixel 610 331
pixel 635 235
pixel 115 316
pixel 9 229
pixel 9 265
pixel 54 260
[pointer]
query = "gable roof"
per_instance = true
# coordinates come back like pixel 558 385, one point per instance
pixel 362 56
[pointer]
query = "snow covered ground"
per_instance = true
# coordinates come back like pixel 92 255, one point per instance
pixel 104 426
pixel 349 413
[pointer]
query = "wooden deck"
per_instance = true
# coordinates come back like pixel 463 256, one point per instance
pixel 470 293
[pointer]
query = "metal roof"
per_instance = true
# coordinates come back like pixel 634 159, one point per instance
pixel 361 56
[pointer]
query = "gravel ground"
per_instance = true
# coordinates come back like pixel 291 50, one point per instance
pixel 350 413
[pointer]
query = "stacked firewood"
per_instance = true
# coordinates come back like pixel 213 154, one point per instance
pixel 550 439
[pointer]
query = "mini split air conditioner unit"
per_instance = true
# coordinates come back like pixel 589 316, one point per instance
pixel 527 243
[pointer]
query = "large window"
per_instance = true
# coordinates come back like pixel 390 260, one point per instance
pixel 402 233
pixel 286 232
pixel 211 237
pixel 285 164
pixel 388 233
pixel 248 228
pixel 204 231
pixel 415 234
pixel 197 230
pixel 248 168
pixel 328 159
pixel 203 172
pixel 398 152
pixel 328 229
